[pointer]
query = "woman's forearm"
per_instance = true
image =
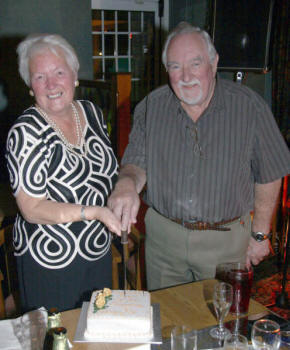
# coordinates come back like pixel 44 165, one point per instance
pixel 43 211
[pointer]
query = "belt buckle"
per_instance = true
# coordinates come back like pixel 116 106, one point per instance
pixel 190 221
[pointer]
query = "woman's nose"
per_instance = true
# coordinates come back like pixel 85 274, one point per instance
pixel 50 82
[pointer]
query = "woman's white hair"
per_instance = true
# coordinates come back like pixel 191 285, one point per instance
pixel 36 43
pixel 183 28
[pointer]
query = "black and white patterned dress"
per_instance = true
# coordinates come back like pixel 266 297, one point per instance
pixel 41 165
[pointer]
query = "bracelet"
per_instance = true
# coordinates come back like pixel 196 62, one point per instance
pixel 83 215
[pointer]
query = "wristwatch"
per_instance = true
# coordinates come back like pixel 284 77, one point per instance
pixel 260 236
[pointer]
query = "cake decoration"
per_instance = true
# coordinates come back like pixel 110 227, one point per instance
pixel 102 299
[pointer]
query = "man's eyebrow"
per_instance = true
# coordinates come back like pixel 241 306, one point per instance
pixel 197 59
pixel 172 62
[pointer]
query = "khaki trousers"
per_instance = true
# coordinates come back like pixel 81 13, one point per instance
pixel 176 255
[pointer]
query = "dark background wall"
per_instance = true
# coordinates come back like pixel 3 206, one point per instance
pixel 72 19
pixel 69 18
pixel 192 11
pixel 198 13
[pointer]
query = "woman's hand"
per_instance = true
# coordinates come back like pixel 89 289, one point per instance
pixel 108 218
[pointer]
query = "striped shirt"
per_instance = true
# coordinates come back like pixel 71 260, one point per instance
pixel 206 170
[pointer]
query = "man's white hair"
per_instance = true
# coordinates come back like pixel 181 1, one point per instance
pixel 183 28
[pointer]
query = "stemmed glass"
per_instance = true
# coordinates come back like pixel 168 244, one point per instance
pixel 265 335
pixel 240 276
pixel 285 340
pixel 236 341
pixel 222 271
pixel 183 338
pixel 222 301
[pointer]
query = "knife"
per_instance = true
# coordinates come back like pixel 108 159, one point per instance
pixel 124 241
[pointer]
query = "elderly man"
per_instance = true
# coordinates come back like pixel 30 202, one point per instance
pixel 210 152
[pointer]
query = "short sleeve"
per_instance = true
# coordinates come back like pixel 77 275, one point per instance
pixel 26 159
pixel 271 157
pixel 135 150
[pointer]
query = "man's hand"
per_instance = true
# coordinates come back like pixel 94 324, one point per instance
pixel 125 202
pixel 257 251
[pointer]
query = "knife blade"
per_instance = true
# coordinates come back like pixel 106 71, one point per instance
pixel 124 242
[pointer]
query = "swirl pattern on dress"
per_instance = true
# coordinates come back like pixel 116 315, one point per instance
pixel 41 165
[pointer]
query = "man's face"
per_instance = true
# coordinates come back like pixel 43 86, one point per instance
pixel 191 75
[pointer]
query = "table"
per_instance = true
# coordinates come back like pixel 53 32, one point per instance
pixel 189 303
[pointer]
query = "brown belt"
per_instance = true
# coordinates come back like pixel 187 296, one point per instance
pixel 200 225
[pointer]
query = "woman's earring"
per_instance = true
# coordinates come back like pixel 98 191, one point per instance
pixel 77 83
pixel 31 93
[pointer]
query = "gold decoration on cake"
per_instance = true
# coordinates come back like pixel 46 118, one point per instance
pixel 102 299
pixel 107 292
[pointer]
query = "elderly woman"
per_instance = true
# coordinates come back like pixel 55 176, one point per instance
pixel 62 170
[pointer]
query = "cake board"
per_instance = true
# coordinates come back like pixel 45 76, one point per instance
pixel 156 339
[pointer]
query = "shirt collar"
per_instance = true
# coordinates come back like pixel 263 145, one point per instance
pixel 217 101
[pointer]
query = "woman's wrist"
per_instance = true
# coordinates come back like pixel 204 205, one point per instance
pixel 83 214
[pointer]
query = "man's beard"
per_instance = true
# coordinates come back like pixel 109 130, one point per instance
pixel 190 100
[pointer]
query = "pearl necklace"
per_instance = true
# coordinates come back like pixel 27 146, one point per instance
pixel 56 128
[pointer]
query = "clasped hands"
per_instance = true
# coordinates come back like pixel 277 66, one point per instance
pixel 124 203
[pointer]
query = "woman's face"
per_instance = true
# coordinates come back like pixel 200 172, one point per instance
pixel 52 81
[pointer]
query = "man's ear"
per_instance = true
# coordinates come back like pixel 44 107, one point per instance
pixel 215 64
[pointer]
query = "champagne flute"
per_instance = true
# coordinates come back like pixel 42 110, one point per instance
pixel 285 340
pixel 222 271
pixel 235 341
pixel 222 301
pixel 265 335
pixel 240 276
pixel 183 338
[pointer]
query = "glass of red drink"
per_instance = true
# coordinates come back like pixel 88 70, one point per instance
pixel 240 276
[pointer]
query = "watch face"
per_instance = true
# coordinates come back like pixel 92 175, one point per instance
pixel 259 236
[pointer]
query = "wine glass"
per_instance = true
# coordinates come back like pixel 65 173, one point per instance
pixel 183 338
pixel 240 276
pixel 222 271
pixel 285 340
pixel 235 341
pixel 222 301
pixel 265 335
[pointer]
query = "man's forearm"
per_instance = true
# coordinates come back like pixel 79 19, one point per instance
pixel 266 196
pixel 133 174
pixel 124 201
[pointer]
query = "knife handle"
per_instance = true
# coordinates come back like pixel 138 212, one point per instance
pixel 124 237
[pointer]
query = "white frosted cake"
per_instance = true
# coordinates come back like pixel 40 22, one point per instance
pixel 119 315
